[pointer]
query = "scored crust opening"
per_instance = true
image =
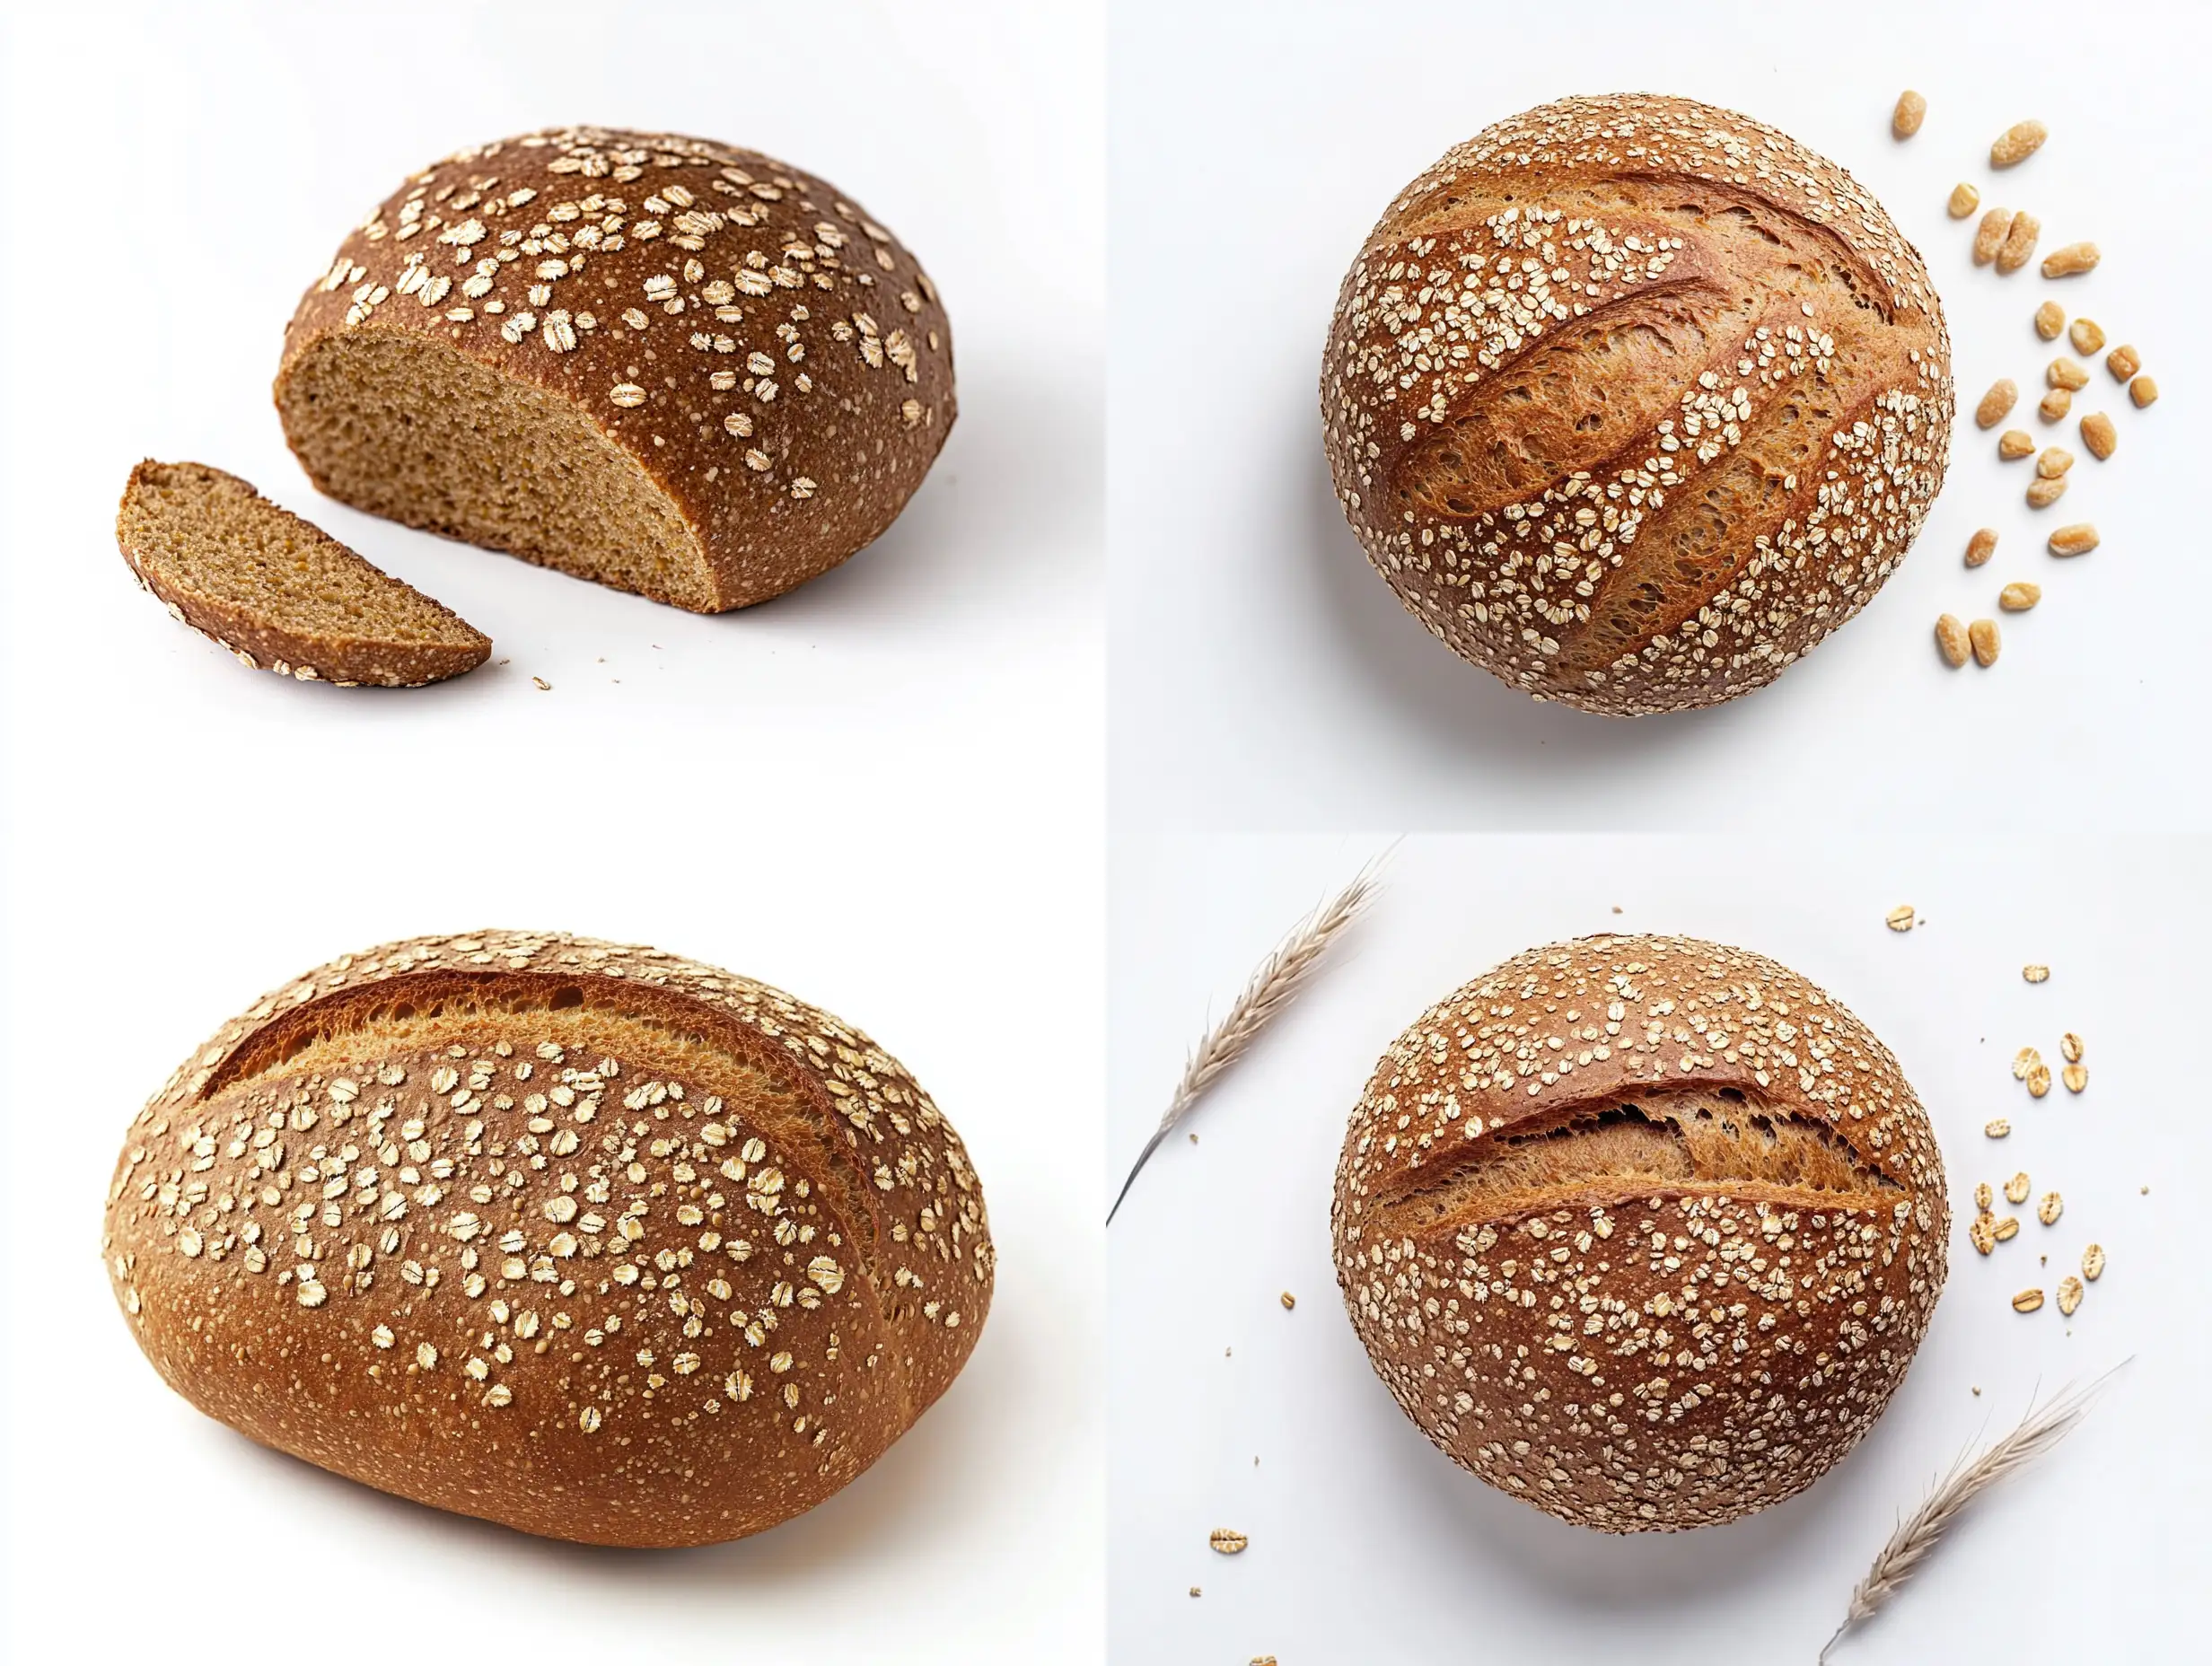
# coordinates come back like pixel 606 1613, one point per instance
pixel 279 590
pixel 1671 1140
pixel 589 1021
pixel 1585 400
pixel 418 433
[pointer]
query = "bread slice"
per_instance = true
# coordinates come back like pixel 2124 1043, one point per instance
pixel 278 593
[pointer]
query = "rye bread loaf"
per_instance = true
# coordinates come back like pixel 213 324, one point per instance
pixel 1632 400
pixel 673 366
pixel 279 594
pixel 1644 1230
pixel 587 1240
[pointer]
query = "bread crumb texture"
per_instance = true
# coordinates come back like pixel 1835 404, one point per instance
pixel 673 366
pixel 1643 1230
pixel 281 594
pixel 590 1240
pixel 1632 400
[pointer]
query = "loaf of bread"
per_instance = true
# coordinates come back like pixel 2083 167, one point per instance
pixel 1643 1230
pixel 587 1240
pixel 673 366
pixel 280 594
pixel 1632 400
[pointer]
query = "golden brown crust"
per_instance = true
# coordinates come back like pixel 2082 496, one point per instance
pixel 1644 1230
pixel 261 642
pixel 774 360
pixel 1632 400
pixel 590 1240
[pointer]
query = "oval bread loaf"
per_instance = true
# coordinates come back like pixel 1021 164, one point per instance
pixel 1632 400
pixel 673 366
pixel 1644 1230
pixel 590 1240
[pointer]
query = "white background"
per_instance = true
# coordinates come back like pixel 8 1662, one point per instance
pixel 1369 1547
pixel 881 792
pixel 1265 677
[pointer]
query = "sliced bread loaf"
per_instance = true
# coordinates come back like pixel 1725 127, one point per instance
pixel 277 593
pixel 668 364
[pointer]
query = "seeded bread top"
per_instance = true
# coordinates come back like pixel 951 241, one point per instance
pixel 922 1191
pixel 1633 399
pixel 1644 1230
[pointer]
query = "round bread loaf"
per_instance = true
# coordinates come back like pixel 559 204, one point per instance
pixel 1632 400
pixel 673 366
pixel 587 1240
pixel 1644 1230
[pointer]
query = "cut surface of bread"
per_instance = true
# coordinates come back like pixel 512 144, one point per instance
pixel 415 431
pixel 279 594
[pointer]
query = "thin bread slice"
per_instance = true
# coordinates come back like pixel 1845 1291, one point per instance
pixel 279 594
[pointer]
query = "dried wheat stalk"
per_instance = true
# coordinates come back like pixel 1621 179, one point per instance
pixel 1919 1533
pixel 1271 988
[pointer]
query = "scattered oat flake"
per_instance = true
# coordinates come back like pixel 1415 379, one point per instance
pixel 1289 1300
pixel 1227 1540
pixel 542 683
pixel 2035 974
pixel 2050 1208
pixel 2092 1262
pixel 2069 1295
pixel 1902 918
pixel 2076 1077
pixel 1982 1234
pixel 2027 1301
pixel 2070 1045
pixel 2016 1189
pixel 2006 1228
pixel 1997 1128
pixel 1983 1197
pixel 2026 1059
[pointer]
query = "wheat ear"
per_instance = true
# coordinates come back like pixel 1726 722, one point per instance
pixel 1271 988
pixel 1919 1533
